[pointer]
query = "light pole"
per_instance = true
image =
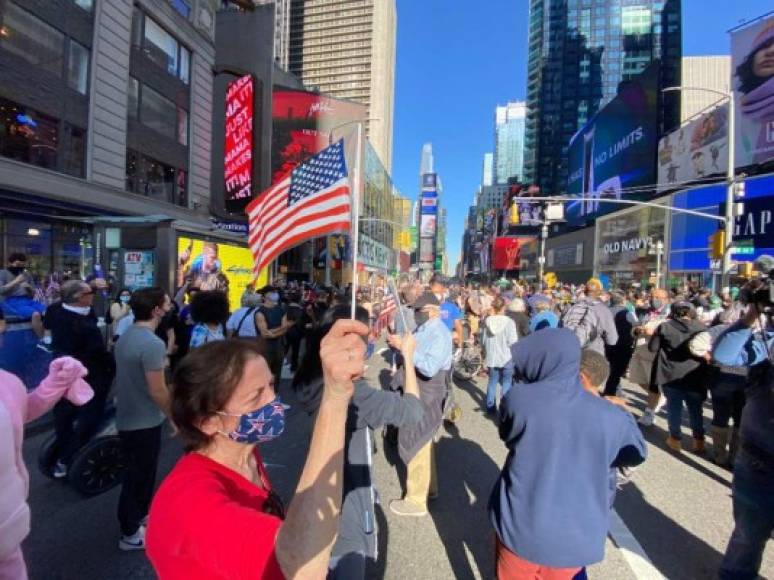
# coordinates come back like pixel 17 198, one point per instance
pixel 659 252
pixel 542 257
pixel 730 176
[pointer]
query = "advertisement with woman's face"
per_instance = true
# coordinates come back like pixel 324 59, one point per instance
pixel 752 70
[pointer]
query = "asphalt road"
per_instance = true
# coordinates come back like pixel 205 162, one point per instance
pixel 672 520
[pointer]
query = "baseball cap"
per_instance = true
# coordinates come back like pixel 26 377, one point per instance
pixel 426 299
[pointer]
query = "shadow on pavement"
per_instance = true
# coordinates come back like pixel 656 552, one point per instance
pixel 466 475
pixel 477 395
pixel 675 551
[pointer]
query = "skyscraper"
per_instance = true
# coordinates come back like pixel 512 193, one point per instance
pixel 709 72
pixel 509 141
pixel 346 49
pixel 281 30
pixel 579 53
pixel 487 173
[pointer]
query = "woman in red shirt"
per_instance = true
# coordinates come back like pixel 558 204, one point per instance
pixel 215 516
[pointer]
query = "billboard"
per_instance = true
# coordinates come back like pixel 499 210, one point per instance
pixel 427 226
pixel 302 122
pixel 426 249
pixel 752 78
pixel 616 150
pixel 505 253
pixel 217 266
pixel 238 148
pixel 694 151
pixel 428 181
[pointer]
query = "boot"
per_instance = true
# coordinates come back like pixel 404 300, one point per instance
pixel 674 444
pixel 720 445
pixel 698 445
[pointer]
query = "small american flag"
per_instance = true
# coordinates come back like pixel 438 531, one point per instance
pixel 311 201
pixel 389 307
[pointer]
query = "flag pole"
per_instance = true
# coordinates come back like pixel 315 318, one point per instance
pixel 356 214
pixel 397 301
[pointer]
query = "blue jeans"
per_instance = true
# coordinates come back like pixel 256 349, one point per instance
pixel 693 400
pixel 753 497
pixel 502 375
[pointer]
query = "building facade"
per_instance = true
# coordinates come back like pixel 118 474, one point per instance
pixel 509 142
pixel 578 55
pixel 708 72
pixel 346 49
pixel 108 117
pixel 491 197
pixel 281 30
pixel 487 170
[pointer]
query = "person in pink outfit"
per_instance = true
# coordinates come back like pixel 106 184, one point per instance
pixel 17 407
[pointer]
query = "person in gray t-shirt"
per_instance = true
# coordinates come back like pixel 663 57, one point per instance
pixel 15 276
pixel 142 401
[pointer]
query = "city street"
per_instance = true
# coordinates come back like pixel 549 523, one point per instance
pixel 672 519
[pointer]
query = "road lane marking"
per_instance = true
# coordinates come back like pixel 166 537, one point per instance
pixel 631 550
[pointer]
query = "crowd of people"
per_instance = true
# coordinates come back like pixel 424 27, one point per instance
pixel 554 359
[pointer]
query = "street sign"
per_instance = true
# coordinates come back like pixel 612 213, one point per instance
pixel 742 250
pixel 744 243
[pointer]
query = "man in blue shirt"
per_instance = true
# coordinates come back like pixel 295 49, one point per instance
pixel 432 361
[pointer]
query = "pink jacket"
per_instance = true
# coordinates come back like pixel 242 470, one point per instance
pixel 17 407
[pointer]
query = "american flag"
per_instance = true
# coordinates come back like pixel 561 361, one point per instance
pixel 311 201
pixel 389 307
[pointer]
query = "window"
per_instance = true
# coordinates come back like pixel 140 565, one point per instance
pixel 73 150
pixel 182 6
pixel 160 46
pixel 155 179
pixel 78 67
pixel 160 180
pixel 32 39
pixel 158 112
pixel 182 126
pixel 85 4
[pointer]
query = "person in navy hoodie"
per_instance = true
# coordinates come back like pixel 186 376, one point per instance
pixel 550 507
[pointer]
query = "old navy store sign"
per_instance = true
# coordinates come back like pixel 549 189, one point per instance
pixel 632 245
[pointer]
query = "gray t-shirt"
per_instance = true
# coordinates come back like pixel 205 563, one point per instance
pixel 137 352
pixel 6 278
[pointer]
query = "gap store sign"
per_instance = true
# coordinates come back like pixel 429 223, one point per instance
pixel 689 234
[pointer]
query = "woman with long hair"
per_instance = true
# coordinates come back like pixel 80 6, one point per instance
pixel 369 409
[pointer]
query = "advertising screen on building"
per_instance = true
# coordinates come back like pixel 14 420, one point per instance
pixel 752 77
pixel 217 266
pixel 301 126
pixel 238 150
pixel 616 150
pixel 505 253
pixel 426 249
pixel 427 226
pixel 695 151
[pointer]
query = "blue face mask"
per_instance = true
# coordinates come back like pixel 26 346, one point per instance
pixel 258 426
pixel 124 299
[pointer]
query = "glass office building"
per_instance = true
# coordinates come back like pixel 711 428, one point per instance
pixel 580 51
pixel 509 142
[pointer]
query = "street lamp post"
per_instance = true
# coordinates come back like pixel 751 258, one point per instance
pixel 542 257
pixel 730 176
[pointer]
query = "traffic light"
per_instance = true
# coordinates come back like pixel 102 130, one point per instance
pixel 717 244
pixel 745 269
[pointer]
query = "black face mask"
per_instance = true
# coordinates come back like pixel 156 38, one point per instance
pixel 16 270
pixel 421 317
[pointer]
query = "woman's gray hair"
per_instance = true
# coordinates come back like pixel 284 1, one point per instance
pixel 72 290
pixel 517 305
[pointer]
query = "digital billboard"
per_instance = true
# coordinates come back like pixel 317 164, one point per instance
pixel 302 122
pixel 695 151
pixel 426 249
pixel 505 253
pixel 217 266
pixel 752 72
pixel 238 150
pixel 616 150
pixel 427 226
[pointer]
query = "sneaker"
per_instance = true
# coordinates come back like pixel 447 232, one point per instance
pixel 660 405
pixel 134 542
pixel 698 446
pixel 60 470
pixel 401 507
pixel 647 418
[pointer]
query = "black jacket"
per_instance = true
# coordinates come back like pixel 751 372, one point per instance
pixel 674 361
pixel 521 319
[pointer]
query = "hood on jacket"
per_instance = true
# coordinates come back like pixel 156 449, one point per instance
pixel 496 323
pixel 549 355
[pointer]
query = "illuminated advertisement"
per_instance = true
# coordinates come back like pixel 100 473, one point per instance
pixel 302 122
pixel 238 151
pixel 505 253
pixel 217 266
pixel 696 150
pixel 426 249
pixel 427 226
pixel 428 181
pixel 616 150
pixel 752 77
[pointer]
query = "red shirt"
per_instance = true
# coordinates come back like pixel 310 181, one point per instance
pixel 207 522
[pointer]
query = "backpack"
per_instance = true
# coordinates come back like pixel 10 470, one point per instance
pixel 581 319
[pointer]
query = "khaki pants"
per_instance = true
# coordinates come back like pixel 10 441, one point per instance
pixel 422 477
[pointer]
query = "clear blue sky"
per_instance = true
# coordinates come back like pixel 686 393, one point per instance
pixel 457 60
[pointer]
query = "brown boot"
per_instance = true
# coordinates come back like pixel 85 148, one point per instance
pixel 720 445
pixel 674 444
pixel 698 445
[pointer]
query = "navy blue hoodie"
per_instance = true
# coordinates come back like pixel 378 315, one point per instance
pixel 551 503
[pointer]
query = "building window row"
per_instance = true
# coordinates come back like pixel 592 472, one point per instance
pixel 44 47
pixel 157 112
pixel 156 180
pixel 160 46
pixel 41 140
